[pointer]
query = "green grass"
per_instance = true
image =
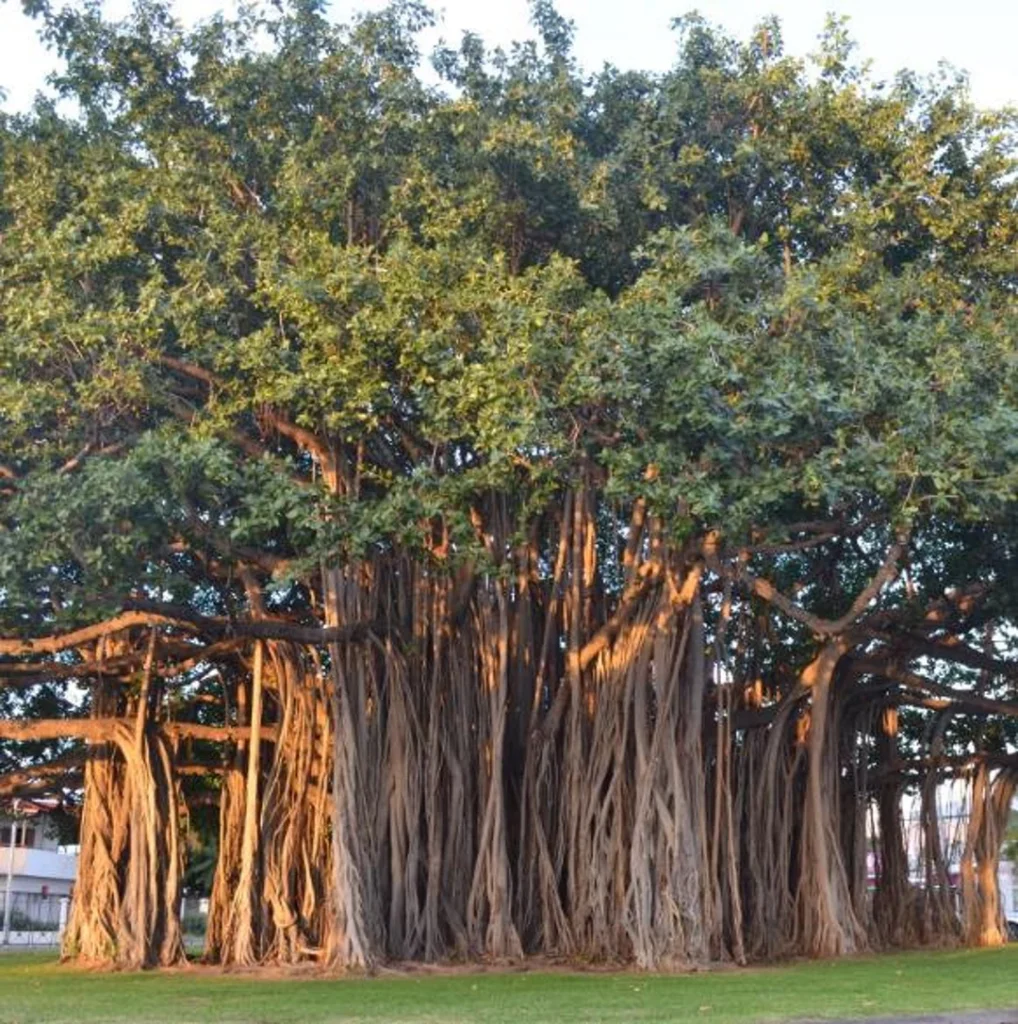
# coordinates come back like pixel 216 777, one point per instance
pixel 35 990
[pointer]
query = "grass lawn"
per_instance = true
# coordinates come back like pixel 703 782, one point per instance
pixel 35 990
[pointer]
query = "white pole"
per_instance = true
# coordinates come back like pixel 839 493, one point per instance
pixel 10 874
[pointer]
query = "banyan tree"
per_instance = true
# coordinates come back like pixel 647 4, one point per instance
pixel 541 514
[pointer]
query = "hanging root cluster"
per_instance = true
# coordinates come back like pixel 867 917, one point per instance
pixel 126 907
pixel 559 749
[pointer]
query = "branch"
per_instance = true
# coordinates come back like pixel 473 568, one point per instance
pixel 169 664
pixel 192 370
pixel 99 730
pixel 821 532
pixel 824 627
pixel 265 560
pixel 215 733
pixel 939 761
pixel 948 649
pixel 141 612
pixel 72 464
pixel 627 606
pixel 263 629
pixel 302 438
pixel 957 607
pixel 42 780
pixel 890 670
pixel 56 769
pixel 64 641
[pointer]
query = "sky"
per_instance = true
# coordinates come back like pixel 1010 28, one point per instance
pixel 977 36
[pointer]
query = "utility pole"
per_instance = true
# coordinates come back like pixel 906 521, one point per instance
pixel 10 873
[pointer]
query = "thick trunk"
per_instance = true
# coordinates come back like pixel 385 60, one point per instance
pixel 355 933
pixel 826 922
pixel 989 807
pixel 490 927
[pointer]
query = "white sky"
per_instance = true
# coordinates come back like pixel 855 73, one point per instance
pixel 979 36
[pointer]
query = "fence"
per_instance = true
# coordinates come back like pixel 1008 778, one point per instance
pixel 35 919
pixel 38 920
pixel 194 917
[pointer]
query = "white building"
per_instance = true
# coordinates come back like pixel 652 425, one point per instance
pixel 37 872
pixel 36 863
pixel 36 875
